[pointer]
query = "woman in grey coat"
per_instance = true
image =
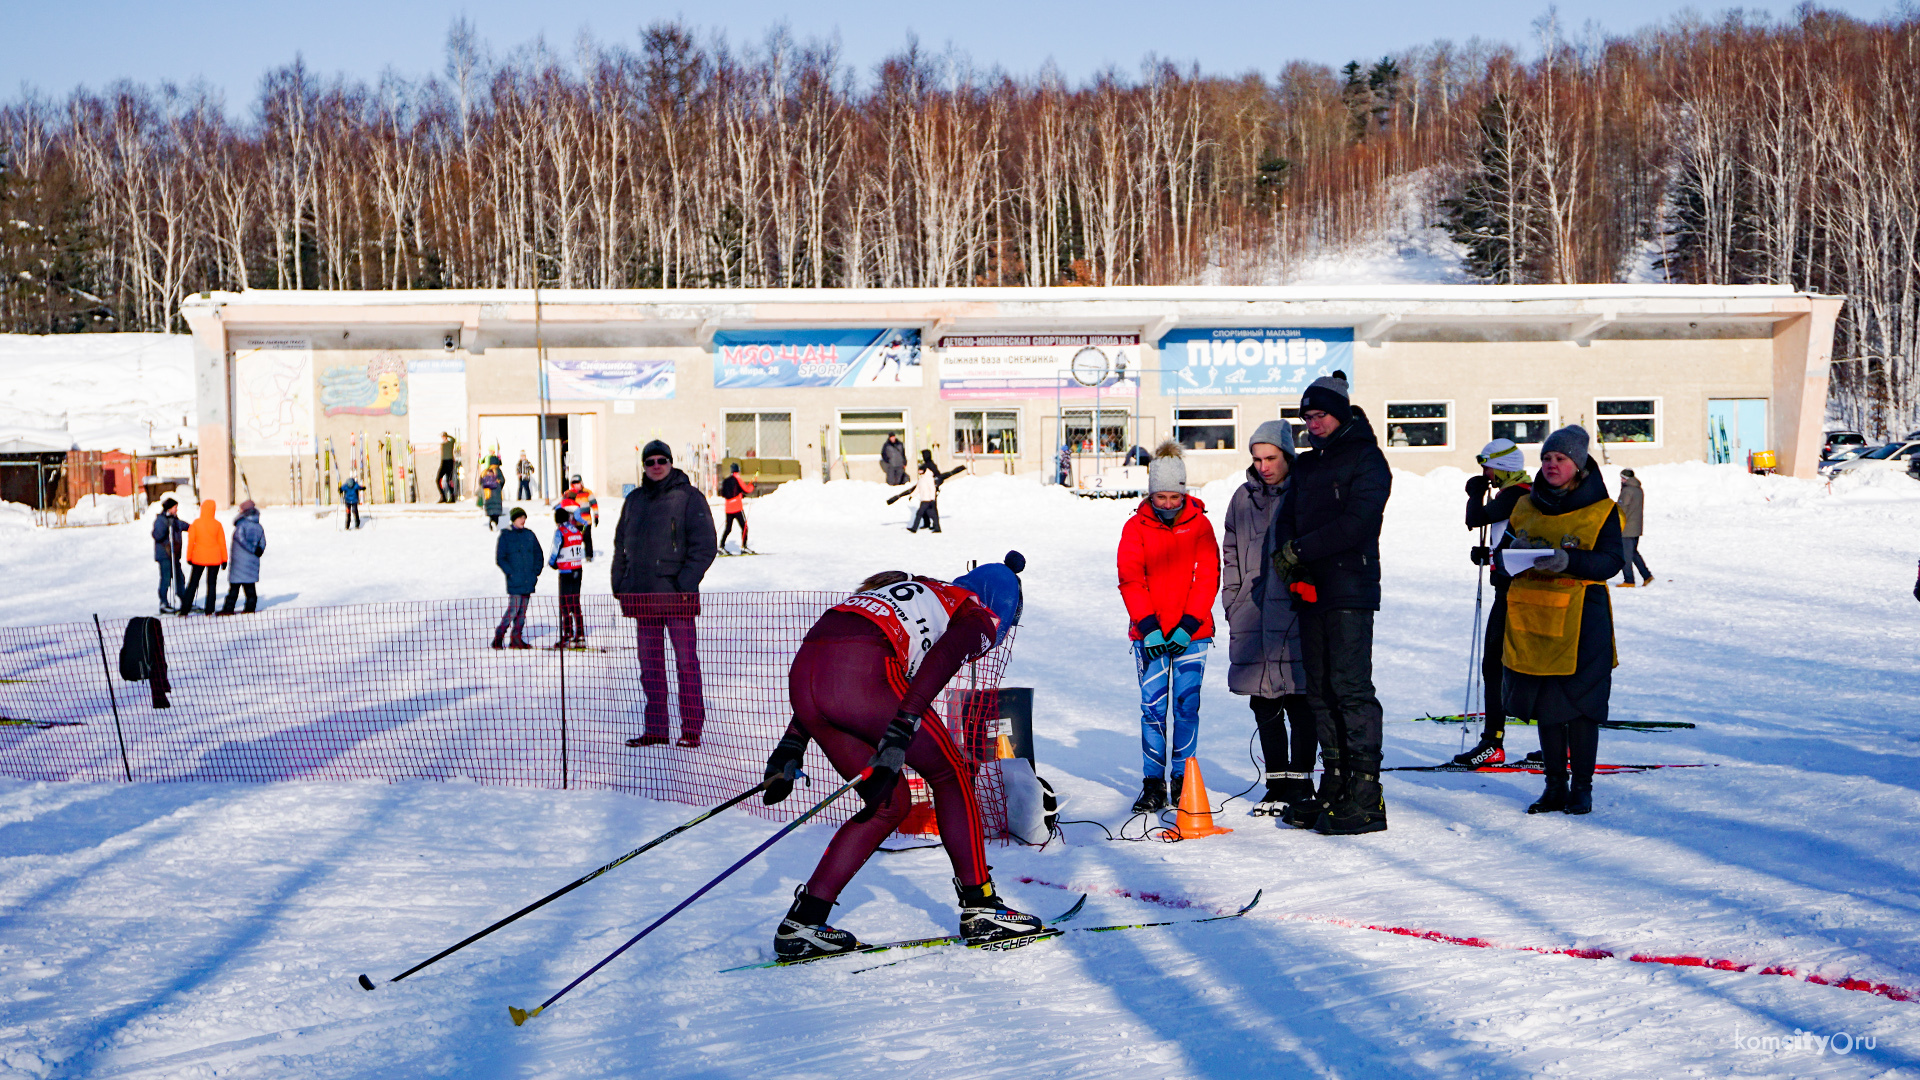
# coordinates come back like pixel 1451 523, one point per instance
pixel 1263 646
pixel 243 558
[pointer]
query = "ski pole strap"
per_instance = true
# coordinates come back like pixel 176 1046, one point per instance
pixel 564 890
pixel 521 1018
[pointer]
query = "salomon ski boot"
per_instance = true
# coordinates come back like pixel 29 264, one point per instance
pixel 1153 796
pixel 804 933
pixel 1489 751
pixel 984 917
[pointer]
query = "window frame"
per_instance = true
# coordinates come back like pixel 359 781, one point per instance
pixel 840 431
pixel 1452 420
pixel 1659 417
pixel 1232 421
pixel 1553 416
pixel 1128 427
pixel 1019 429
pixel 757 414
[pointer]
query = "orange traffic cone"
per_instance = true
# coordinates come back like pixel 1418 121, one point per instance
pixel 1004 749
pixel 1195 818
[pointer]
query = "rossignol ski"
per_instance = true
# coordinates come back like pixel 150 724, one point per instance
pixel 919 943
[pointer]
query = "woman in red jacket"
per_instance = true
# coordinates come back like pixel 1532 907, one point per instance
pixel 1169 574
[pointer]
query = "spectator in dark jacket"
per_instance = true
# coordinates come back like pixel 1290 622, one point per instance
pixel 662 548
pixel 1559 647
pixel 167 531
pixel 243 559
pixel 518 555
pixel 1329 543
pixel 1632 503
pixel 350 499
pixel 1263 646
pixel 893 458
pixel 1503 471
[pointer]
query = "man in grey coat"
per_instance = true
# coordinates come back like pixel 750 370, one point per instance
pixel 1263 647
pixel 243 558
pixel 1632 504
pixel 661 551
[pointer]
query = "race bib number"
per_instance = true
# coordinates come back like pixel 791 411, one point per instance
pixel 911 613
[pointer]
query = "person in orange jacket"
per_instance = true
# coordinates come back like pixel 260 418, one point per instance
pixel 1169 574
pixel 580 499
pixel 735 489
pixel 206 553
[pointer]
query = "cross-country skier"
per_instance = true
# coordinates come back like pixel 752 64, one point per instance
pixel 735 489
pixel 1503 470
pixel 569 559
pixel 861 686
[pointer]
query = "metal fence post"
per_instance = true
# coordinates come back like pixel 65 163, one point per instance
pixel 107 669
pixel 563 716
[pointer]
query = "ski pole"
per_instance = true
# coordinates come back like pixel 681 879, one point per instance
pixel 367 984
pixel 521 1016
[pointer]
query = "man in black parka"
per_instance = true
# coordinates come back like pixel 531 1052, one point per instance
pixel 1329 547
pixel 661 551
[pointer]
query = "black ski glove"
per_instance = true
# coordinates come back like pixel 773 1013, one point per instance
pixel 883 771
pixel 783 765
pixel 1477 487
pixel 1481 555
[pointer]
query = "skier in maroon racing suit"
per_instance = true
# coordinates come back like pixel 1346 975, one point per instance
pixel 861 686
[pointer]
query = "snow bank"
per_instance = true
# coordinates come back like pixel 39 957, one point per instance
pixel 97 391
pixel 101 510
pixel 15 517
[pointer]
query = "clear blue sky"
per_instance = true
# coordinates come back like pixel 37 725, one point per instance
pixel 55 47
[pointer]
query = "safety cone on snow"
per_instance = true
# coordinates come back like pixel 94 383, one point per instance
pixel 1195 818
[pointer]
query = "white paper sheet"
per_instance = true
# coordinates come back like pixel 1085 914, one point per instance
pixel 1519 559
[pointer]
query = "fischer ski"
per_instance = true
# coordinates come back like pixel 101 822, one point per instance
pixel 1617 725
pixel 927 943
pixel 1537 768
pixel 8 721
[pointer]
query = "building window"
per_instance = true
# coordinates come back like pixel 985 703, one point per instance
pixel 1525 422
pixel 1205 428
pixel 1077 428
pixel 986 432
pixel 1628 420
pixel 767 434
pixel 861 433
pixel 1420 425
pixel 1291 414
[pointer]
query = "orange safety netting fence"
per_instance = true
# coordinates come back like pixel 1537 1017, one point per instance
pixel 413 691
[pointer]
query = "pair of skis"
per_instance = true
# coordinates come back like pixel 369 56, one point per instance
pixel 1535 767
pixel 1615 725
pixel 1052 930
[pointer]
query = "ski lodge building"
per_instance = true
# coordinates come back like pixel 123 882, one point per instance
pixel 296 389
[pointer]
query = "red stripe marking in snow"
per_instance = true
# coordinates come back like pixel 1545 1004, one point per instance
pixel 1865 986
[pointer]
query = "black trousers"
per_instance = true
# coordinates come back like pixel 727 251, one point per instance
pixel 928 515
pixel 741 517
pixel 1493 669
pixel 1575 743
pixel 1287 733
pixel 1337 646
pixel 353 515
pixel 233 594
pixel 193 585
pixel 444 480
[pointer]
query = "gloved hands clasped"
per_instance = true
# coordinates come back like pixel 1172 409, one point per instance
pixel 1153 642
pixel 883 770
pixel 783 765
pixel 1554 563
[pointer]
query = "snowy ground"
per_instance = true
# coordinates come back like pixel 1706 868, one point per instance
pixel 97 391
pixel 198 930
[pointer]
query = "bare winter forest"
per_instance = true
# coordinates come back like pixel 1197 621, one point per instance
pixel 1733 151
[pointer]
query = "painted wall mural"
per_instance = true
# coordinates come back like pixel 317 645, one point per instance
pixel 375 388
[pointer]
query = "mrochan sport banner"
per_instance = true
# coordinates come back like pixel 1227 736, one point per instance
pixel 1038 365
pixel 1252 360
pixel 755 359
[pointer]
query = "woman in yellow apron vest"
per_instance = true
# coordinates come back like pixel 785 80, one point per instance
pixel 1558 650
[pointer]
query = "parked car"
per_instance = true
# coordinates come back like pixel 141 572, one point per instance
pixel 1844 454
pixel 1895 456
pixel 1837 440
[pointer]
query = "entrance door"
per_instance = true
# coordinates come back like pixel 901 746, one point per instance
pixel 1735 428
pixel 582 461
pixel 510 436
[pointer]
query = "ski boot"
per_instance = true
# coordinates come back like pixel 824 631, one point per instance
pixel 1153 796
pixel 1178 783
pixel 1361 808
pixel 984 917
pixel 1305 813
pixel 1488 751
pixel 1579 801
pixel 564 643
pixel 804 933
pixel 1555 797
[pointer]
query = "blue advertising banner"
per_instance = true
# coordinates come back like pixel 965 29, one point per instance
pixel 753 359
pixel 608 380
pixel 1252 360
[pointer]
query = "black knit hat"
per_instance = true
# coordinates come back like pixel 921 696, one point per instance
pixel 1328 394
pixel 656 448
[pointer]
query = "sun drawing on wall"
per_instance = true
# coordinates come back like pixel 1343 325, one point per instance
pixel 377 388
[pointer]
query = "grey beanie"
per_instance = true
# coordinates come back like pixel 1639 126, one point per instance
pixel 1276 433
pixel 1168 469
pixel 1571 440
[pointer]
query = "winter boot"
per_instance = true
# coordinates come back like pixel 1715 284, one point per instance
pixel 1274 802
pixel 1489 751
pixel 1178 781
pixel 804 933
pixel 1305 813
pixel 1361 808
pixel 1579 801
pixel 499 640
pixel 1153 796
pixel 564 642
pixel 647 740
pixel 985 917
pixel 518 642
pixel 1555 797
pixel 687 741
